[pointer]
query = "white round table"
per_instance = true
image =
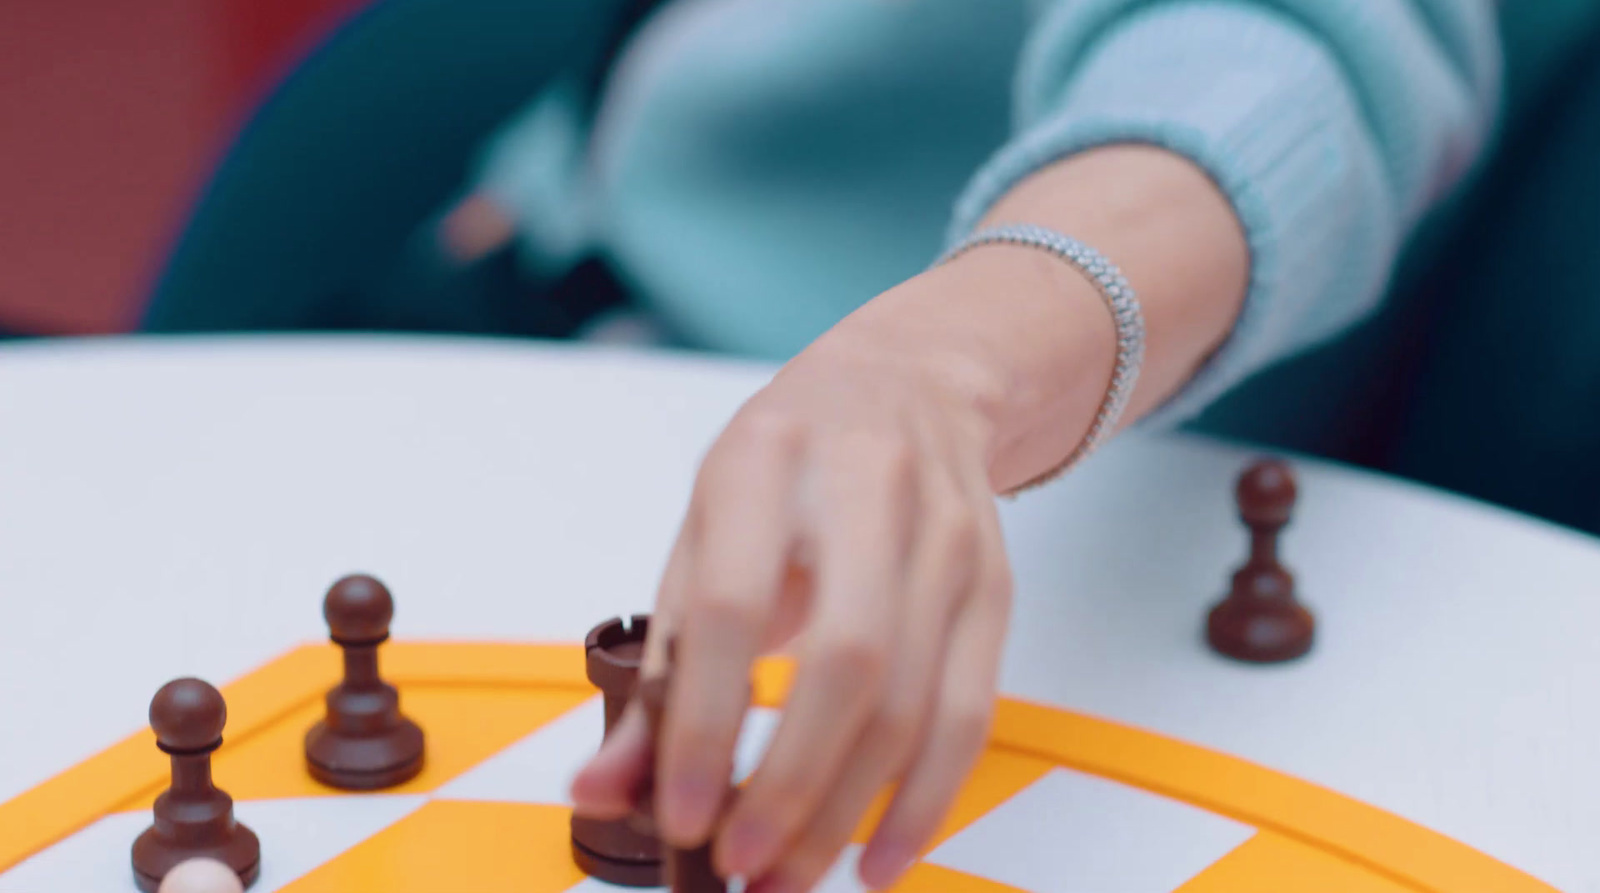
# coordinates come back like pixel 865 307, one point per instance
pixel 178 507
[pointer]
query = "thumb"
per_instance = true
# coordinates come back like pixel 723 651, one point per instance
pixel 607 787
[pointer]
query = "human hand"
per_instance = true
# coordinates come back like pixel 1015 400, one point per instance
pixel 848 507
pixel 846 511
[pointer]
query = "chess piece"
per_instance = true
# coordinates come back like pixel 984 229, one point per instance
pixel 201 876
pixel 1261 621
pixel 690 871
pixel 193 818
pixel 616 851
pixel 364 743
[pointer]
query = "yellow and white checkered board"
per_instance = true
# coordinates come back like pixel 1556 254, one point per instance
pixel 1059 802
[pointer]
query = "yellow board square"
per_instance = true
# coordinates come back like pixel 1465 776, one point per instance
pixel 455 845
pixel 464 727
pixel 1272 863
pixel 998 775
pixel 474 699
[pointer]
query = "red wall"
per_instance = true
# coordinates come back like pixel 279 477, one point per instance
pixel 111 113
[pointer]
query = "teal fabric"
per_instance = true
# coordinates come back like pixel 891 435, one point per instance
pixel 311 222
pixel 1481 372
pixel 765 166
pixel 1329 124
pixel 790 159
pixel 775 164
pixel 1507 402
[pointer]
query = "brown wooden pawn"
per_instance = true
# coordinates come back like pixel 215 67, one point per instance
pixel 616 851
pixel 1261 621
pixel 364 743
pixel 193 818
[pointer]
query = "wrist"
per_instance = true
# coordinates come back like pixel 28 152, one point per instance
pixel 1121 304
pixel 1171 230
pixel 1012 340
pixel 1046 334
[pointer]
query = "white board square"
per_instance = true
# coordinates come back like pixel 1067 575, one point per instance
pixel 296 835
pixel 94 859
pixel 540 767
pixel 760 723
pixel 1070 832
pixel 299 835
pixel 844 877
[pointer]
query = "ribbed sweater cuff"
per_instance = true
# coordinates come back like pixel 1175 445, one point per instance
pixel 1263 107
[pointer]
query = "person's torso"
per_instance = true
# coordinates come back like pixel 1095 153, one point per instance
pixel 759 168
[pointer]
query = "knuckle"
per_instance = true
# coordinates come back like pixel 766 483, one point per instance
pixel 966 723
pixel 695 737
pixel 954 534
pixel 776 795
pixel 764 431
pixel 689 744
pixel 820 846
pixel 855 660
pixel 886 456
pixel 996 583
pixel 753 440
pixel 897 462
pixel 724 607
pixel 897 727
pixel 812 860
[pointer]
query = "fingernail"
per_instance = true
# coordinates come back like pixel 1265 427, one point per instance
pixel 690 800
pixel 750 846
pixel 882 865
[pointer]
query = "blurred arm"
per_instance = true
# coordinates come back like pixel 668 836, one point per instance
pixel 1254 168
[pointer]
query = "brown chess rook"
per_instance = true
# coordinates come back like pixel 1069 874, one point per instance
pixel 364 743
pixel 1261 620
pixel 193 818
pixel 617 851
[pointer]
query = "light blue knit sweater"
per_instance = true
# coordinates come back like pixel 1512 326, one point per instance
pixel 759 168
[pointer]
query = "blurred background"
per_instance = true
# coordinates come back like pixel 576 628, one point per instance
pixel 115 113
pixel 112 114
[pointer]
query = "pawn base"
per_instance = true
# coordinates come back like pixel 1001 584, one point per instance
pixel 1261 632
pixel 618 851
pixel 154 856
pixel 366 763
pixel 618 872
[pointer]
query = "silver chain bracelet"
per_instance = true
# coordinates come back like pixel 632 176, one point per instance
pixel 1119 298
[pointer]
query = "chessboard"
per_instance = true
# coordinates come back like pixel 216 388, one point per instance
pixel 1060 801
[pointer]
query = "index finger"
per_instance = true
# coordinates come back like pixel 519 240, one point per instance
pixel 738 548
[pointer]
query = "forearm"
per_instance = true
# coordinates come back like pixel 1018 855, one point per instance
pixel 1026 341
pixel 1303 147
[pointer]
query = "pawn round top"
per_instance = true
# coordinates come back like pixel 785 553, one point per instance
pixel 188 715
pixel 1266 493
pixel 358 609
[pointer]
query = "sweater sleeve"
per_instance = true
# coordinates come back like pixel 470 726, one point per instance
pixel 1332 126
